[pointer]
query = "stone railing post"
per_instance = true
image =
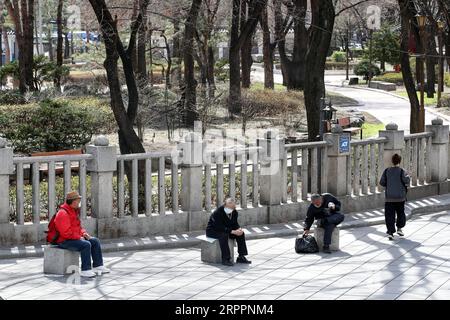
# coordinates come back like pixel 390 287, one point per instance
pixel 439 150
pixel 395 143
pixel 102 169
pixel 191 173
pixel 6 169
pixel 271 175
pixel 338 151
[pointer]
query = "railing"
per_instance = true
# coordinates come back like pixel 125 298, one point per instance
pixel 416 157
pixel 364 166
pixel 304 156
pixel 43 170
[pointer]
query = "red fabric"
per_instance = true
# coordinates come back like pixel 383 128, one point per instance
pixel 68 224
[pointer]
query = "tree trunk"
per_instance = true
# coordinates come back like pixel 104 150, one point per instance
pixel 323 16
pixel 190 113
pixel 50 45
pixel 246 49
pixel 177 53
pixel 234 103
pixel 142 39
pixel 415 118
pixel 267 52
pixel 6 45
pixel 431 63
pixel 210 72
pixel 59 46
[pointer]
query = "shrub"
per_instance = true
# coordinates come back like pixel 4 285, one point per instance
pixel 221 70
pixel 364 68
pixel 270 103
pixel 11 97
pixel 444 102
pixel 53 125
pixel 447 79
pixel 338 56
pixel 391 77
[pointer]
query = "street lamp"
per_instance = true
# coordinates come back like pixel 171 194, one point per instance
pixel 422 22
pixel 441 26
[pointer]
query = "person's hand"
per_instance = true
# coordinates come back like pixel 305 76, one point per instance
pixel 305 232
pixel 86 236
pixel 332 206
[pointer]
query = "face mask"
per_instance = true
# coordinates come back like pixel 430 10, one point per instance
pixel 228 210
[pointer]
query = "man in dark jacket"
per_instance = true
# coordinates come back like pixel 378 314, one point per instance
pixel 325 208
pixel 223 225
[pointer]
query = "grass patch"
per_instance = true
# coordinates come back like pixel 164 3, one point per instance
pixel 428 101
pixel 260 86
pixel 370 130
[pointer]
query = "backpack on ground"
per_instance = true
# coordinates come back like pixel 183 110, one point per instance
pixel 52 233
pixel 306 244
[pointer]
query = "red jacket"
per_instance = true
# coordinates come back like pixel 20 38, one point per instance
pixel 68 224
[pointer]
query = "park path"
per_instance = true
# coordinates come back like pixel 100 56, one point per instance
pixel 368 266
pixel 384 106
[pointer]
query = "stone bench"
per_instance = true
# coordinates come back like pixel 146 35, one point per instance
pixel 58 261
pixel 386 86
pixel 319 233
pixel 210 249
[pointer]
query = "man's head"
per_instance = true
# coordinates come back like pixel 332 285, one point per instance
pixel 229 203
pixel 73 199
pixel 316 200
pixel 396 159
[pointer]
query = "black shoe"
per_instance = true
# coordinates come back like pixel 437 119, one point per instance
pixel 227 263
pixel 326 249
pixel 391 237
pixel 242 259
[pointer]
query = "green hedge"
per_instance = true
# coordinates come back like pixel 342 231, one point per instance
pixel 391 77
pixel 53 125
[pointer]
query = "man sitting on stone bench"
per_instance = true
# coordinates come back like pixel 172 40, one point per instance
pixel 73 237
pixel 324 208
pixel 223 224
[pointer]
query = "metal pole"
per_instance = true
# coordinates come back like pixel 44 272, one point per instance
pixel 347 54
pixel 370 57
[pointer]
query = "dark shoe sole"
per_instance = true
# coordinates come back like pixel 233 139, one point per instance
pixel 244 262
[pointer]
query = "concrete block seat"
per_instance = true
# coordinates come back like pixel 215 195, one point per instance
pixel 210 249
pixel 319 234
pixel 58 261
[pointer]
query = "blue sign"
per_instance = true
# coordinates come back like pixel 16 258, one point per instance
pixel 344 144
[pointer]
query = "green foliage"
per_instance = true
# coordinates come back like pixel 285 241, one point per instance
pixel 53 125
pixel 391 77
pixel 338 56
pixel 11 97
pixel 386 45
pixel 221 70
pixel 364 68
pixel 43 70
pixel 447 79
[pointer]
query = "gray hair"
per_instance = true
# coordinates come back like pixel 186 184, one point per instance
pixel 315 196
pixel 228 200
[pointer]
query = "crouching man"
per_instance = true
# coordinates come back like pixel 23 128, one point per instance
pixel 223 225
pixel 325 208
pixel 71 236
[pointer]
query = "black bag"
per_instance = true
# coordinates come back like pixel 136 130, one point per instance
pixel 306 244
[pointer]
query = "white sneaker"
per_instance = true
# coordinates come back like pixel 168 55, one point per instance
pixel 87 274
pixel 400 233
pixel 101 269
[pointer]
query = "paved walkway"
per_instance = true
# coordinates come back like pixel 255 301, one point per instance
pixel 189 239
pixel 367 267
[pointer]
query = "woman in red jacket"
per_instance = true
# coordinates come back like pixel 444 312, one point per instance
pixel 73 237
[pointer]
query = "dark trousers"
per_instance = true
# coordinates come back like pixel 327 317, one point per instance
pixel 390 209
pixel 329 223
pixel 87 248
pixel 223 241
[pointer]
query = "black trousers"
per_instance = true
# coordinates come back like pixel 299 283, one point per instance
pixel 328 224
pixel 223 241
pixel 390 209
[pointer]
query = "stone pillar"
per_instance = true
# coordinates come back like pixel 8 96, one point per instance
pixel 395 143
pixel 191 173
pixel 338 151
pixel 6 169
pixel 102 168
pixel 270 156
pixel 439 150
